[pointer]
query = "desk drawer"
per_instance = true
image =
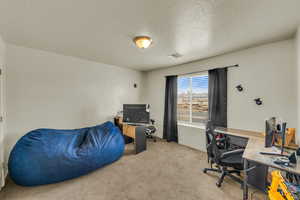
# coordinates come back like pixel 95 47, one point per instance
pixel 129 131
pixel 258 176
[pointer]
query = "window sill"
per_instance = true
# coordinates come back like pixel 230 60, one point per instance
pixel 200 126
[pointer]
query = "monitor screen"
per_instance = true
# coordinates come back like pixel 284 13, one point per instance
pixel 136 113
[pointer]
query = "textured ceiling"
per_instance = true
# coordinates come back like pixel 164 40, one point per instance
pixel 102 30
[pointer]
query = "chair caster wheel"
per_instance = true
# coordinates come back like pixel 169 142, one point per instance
pixel 218 184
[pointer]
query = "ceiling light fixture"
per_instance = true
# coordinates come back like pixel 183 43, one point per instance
pixel 142 42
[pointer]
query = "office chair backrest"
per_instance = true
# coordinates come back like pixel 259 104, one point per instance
pixel 212 148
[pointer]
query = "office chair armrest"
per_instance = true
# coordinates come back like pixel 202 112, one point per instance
pixel 231 153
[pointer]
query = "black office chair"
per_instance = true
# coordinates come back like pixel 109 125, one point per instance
pixel 150 130
pixel 227 162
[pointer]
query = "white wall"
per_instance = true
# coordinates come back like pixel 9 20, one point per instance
pixel 55 91
pixel 3 171
pixel 267 71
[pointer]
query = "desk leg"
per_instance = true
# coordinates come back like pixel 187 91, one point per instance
pixel 245 186
pixel 140 139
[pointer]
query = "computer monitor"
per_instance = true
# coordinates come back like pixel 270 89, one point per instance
pixel 283 129
pixel 270 131
pixel 136 113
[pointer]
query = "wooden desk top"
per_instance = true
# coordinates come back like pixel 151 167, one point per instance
pixel 256 145
pixel 239 132
pixel 252 153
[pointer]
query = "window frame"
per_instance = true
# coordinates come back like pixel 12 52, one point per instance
pixel 190 90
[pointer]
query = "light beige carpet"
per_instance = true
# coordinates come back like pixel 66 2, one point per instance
pixel 165 171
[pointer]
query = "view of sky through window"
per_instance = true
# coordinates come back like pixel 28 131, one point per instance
pixel 192 102
pixel 199 84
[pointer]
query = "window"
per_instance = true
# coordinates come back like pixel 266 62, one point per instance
pixel 192 102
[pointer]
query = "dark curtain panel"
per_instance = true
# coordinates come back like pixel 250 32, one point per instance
pixel 217 96
pixel 170 116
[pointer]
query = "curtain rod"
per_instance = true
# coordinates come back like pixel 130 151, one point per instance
pixel 230 66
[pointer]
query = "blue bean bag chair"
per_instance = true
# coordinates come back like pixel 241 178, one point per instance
pixel 46 156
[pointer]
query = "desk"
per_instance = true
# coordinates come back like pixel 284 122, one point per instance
pixel 252 151
pixel 137 133
pixel 239 133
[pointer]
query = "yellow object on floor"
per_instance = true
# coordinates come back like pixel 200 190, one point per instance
pixel 278 189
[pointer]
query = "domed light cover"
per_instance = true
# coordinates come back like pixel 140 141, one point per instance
pixel 142 42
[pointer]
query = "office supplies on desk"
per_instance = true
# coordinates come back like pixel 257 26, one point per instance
pixel 286 160
pixel 282 161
